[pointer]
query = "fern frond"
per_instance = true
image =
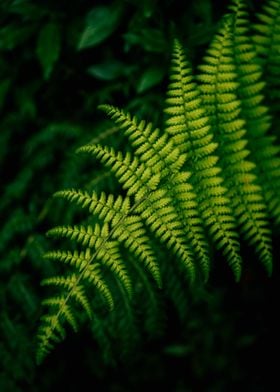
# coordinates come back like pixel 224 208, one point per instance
pixel 132 233
pixel 213 171
pixel 250 92
pixel 153 148
pixel 132 175
pixel 154 205
pixel 151 303
pixel 219 86
pixel 159 153
pixel 189 127
pixel 112 259
pixel 128 229
pixel 51 329
pixel 267 41
pixel 85 235
pixel 78 294
pixel 90 273
pixel 106 251
pixel 106 207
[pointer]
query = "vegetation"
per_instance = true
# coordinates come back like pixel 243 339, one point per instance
pixel 147 280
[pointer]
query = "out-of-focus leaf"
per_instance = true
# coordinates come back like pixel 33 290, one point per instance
pixel 200 26
pixel 25 103
pixel 26 10
pixel 13 35
pixel 203 9
pixel 48 47
pixel 107 71
pixel 25 99
pixel 199 36
pixel 151 77
pixel 4 87
pixel 177 350
pixel 246 340
pixel 101 22
pixel 149 7
pixel 146 7
pixel 151 40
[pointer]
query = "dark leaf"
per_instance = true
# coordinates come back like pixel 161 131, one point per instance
pixel 13 35
pixel 107 71
pixel 150 78
pixel 101 22
pixel 151 40
pixel 25 103
pixel 4 87
pixel 48 47
pixel 26 10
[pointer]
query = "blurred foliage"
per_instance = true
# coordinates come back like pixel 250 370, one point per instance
pixel 58 61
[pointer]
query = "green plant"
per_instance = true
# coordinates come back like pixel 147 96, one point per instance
pixel 210 177
pixel 267 39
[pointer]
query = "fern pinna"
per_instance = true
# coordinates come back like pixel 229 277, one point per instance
pixel 202 181
pixel 219 83
pixel 267 41
pixel 253 109
pixel 188 125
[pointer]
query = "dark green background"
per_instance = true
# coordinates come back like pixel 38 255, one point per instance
pixel 58 61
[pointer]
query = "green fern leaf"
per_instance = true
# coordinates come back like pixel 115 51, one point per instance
pixel 213 171
pixel 262 146
pixel 219 87
pixel 267 41
pixel 189 126
pixel 51 330
pixel 128 229
pixel 159 153
pixel 154 206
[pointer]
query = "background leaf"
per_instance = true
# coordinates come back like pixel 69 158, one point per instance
pixel 4 87
pixel 150 78
pixel 151 39
pixel 101 22
pixel 107 71
pixel 14 35
pixel 48 47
